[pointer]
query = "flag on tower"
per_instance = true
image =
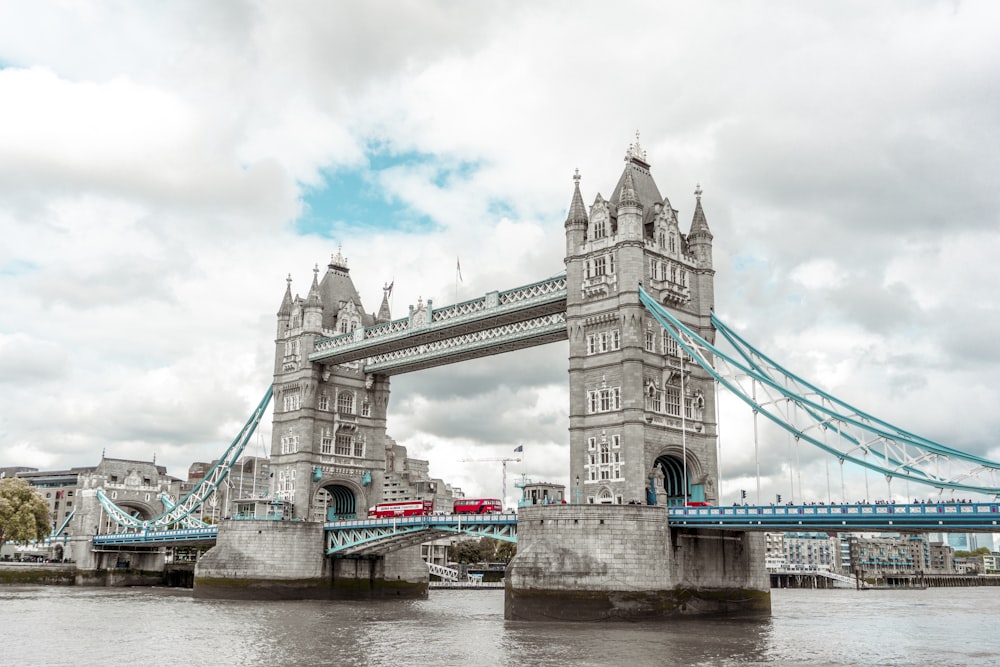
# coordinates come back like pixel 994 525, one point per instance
pixel 519 448
pixel 458 269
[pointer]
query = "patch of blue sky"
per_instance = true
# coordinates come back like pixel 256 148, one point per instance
pixel 356 199
pixel 17 267
pixel 747 262
pixel 499 208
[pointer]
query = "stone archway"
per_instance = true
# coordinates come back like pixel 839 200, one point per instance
pixel 134 508
pixel 671 478
pixel 335 501
pixel 604 497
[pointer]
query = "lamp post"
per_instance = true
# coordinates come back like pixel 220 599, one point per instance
pixel 577 489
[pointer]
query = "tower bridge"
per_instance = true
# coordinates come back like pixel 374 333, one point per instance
pixel 636 306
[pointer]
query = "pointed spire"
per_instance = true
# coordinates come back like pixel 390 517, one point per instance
pixel 314 298
pixel 384 314
pixel 286 303
pixel 699 224
pixel 577 211
pixel 628 197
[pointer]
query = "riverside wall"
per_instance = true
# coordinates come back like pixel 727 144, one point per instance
pixel 598 562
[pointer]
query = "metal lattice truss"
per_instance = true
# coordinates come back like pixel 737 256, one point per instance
pixel 372 537
pixel 525 316
pixel 822 420
pixel 180 514
pixel 499 339
pixel 188 521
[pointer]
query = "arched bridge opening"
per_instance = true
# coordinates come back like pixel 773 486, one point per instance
pixel 337 502
pixel 675 481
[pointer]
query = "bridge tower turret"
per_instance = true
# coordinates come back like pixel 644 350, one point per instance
pixel 700 241
pixel 576 219
pixel 639 413
pixel 328 436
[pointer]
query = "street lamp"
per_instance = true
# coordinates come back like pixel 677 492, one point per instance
pixel 577 489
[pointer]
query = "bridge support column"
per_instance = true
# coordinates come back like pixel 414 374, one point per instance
pixel 263 560
pixel 601 562
pixel 400 573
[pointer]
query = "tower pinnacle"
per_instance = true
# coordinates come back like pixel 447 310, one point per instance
pixel 635 151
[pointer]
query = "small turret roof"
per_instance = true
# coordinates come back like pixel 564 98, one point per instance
pixel 626 194
pixel 314 299
pixel 699 224
pixel 577 211
pixel 285 310
pixel 384 314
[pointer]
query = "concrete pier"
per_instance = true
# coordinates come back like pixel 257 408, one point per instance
pixel 600 562
pixel 284 560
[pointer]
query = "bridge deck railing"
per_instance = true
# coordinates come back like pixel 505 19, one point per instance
pixel 424 520
pixel 917 516
pixel 157 536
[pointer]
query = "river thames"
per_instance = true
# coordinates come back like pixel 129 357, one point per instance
pixel 159 626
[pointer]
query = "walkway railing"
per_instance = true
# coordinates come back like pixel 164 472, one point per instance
pixel 379 536
pixel 938 517
pixel 191 535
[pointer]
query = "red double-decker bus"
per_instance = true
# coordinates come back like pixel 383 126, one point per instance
pixel 401 508
pixel 477 506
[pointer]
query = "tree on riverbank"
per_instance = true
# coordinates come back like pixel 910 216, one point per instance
pixel 23 514
pixel 485 550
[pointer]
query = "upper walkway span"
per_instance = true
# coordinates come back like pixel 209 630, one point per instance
pixel 497 322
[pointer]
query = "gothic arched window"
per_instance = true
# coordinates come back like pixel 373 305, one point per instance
pixel 345 402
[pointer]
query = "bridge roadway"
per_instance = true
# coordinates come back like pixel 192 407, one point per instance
pixel 378 536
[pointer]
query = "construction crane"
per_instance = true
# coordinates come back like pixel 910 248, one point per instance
pixel 503 465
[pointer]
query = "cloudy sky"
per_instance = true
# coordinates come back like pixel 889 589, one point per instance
pixel 164 166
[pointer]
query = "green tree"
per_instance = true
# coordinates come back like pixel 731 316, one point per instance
pixel 466 551
pixel 981 551
pixel 505 551
pixel 484 550
pixel 23 514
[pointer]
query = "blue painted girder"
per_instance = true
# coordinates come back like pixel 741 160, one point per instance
pixel 936 517
pixel 369 537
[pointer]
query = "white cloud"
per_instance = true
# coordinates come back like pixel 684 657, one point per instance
pixel 818 274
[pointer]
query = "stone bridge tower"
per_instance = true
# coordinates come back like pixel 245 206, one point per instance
pixel 639 411
pixel 328 440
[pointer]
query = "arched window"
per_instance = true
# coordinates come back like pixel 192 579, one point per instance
pixel 345 403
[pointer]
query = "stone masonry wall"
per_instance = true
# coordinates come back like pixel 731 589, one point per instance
pixel 592 547
pixel 599 562
pixel 264 559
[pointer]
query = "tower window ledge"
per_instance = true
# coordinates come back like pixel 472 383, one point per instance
pixel 671 292
pixel 600 285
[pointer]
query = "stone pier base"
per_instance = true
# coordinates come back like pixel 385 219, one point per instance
pixel 262 560
pixel 600 562
pixel 400 574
